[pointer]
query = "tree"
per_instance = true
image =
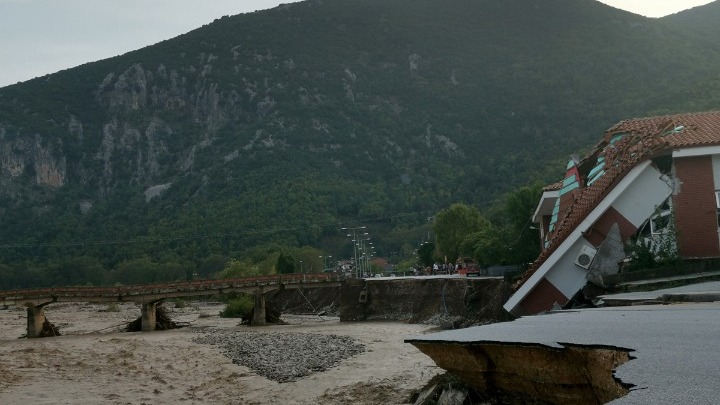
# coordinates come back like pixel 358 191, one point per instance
pixel 80 270
pixel 453 225
pixel 504 237
pixel 239 269
pixel 211 264
pixel 486 246
pixel 405 265
pixel 426 254
pixel 285 264
pixel 307 259
pixel 514 221
pixel 7 278
pixel 136 271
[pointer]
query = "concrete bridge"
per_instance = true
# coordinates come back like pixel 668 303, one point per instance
pixel 149 295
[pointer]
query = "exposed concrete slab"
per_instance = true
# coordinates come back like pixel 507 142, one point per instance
pixel 675 346
pixel 701 292
pixel 609 253
pixel 699 278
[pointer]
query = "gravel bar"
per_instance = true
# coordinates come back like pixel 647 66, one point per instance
pixel 283 357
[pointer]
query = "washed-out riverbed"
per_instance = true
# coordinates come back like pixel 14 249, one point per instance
pixel 213 360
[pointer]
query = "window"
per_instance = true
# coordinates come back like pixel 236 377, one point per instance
pixel 717 205
pixel 660 222
pixel 657 232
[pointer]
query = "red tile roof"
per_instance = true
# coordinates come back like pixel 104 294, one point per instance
pixel 701 129
pixel 644 138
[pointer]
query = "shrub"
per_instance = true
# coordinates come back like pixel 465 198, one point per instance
pixel 239 307
pixel 180 303
pixel 655 250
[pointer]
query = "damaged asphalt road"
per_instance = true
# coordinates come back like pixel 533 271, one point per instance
pixel 673 347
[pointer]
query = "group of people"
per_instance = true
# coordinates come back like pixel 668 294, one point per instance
pixel 437 268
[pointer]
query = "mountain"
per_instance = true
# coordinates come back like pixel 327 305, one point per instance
pixel 284 125
pixel 700 20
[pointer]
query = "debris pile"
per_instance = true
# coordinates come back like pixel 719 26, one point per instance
pixel 446 389
pixel 49 330
pixel 162 321
pixel 305 301
pixel 283 357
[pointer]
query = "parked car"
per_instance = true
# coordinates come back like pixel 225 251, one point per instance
pixel 470 269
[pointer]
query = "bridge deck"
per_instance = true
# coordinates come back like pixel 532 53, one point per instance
pixel 156 292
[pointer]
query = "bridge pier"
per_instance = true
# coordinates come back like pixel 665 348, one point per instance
pixel 258 318
pixel 148 319
pixel 35 320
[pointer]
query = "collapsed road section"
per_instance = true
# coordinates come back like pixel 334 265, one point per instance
pixel 516 373
pixel 633 355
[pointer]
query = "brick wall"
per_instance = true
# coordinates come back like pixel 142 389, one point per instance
pixel 542 298
pixel 695 208
pixel 598 232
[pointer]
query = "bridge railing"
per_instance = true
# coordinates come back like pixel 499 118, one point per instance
pixel 174 287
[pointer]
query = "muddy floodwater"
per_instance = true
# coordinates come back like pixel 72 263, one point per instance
pixel 94 362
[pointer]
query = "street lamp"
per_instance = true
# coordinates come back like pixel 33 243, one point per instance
pixel 325 267
pixel 369 252
pixel 362 250
pixel 354 234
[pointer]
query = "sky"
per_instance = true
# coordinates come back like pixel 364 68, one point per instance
pixel 38 37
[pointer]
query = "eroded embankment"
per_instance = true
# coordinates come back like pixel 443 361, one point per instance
pixel 531 373
pixel 448 302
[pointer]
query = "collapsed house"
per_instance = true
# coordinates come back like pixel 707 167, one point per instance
pixel 656 179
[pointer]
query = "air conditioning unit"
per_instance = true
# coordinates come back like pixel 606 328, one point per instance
pixel 585 257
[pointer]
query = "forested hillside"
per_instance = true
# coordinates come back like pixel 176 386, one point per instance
pixel 277 128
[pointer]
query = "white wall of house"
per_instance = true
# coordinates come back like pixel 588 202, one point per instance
pixel 638 202
pixel 565 275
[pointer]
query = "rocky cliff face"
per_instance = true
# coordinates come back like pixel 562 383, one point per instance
pixel 44 158
pixel 151 149
pixel 135 144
